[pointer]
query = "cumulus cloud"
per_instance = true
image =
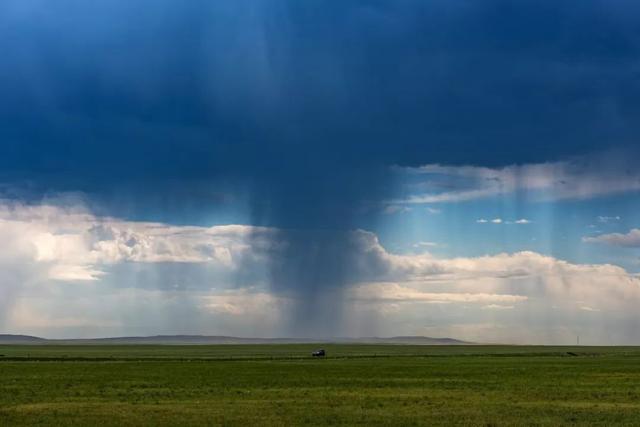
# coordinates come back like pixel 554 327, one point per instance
pixel 501 221
pixel 92 274
pixel 45 244
pixel 74 244
pixel 580 178
pixel 539 298
pixel 393 292
pixel 628 240
pixel 523 221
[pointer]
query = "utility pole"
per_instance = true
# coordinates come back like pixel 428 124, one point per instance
pixel 578 340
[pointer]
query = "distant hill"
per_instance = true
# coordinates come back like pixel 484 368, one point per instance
pixel 184 340
pixel 410 340
pixel 204 340
pixel 20 339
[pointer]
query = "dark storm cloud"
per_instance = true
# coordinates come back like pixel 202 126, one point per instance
pixel 112 92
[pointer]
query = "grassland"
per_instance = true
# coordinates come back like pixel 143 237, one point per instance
pixel 355 385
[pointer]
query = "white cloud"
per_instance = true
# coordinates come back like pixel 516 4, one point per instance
pixel 501 221
pixel 425 245
pixel 242 302
pixel 75 245
pixel 530 282
pixel 579 178
pixel 434 211
pixel 393 292
pixel 498 307
pixel 61 263
pixel 628 240
pixel 74 273
pixel 606 219
pixel 44 247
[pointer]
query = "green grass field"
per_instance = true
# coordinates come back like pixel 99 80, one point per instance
pixel 355 385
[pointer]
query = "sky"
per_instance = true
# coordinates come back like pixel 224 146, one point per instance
pixel 285 168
